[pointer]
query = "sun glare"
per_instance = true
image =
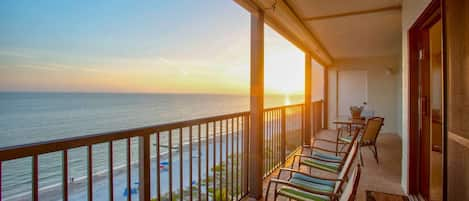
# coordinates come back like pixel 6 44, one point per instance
pixel 284 65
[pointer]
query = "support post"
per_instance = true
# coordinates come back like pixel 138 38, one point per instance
pixel 256 151
pixel 144 167
pixel 326 99
pixel 307 112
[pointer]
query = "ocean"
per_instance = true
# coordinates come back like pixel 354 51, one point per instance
pixel 35 117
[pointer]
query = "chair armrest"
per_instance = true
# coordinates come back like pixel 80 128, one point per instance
pixel 286 183
pixel 315 158
pixel 325 150
pixel 329 141
pixel 308 175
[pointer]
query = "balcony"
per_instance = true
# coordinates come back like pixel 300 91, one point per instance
pixel 232 156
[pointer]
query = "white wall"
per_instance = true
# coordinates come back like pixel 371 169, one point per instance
pixel 411 9
pixel 383 88
pixel 317 81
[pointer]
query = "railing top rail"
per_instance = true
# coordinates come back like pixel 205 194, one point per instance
pixel 283 106
pixel 26 150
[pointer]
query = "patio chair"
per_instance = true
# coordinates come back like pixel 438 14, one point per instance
pixel 303 186
pixel 324 159
pixel 368 138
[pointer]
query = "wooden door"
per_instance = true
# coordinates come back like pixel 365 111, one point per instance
pixel 419 101
pixel 424 113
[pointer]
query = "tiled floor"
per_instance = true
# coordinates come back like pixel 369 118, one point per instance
pixel 385 177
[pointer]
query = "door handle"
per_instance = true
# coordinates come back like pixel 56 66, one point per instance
pixel 423 103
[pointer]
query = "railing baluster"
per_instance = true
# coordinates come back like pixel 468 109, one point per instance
pixel 111 172
pixel 190 163
pixel 266 145
pixel 237 157
pixel 158 163
pixel 199 171
pixel 206 160
pixel 181 170
pixel 226 159
pixel 1 180
pixel 279 139
pixel 90 172
pixel 144 167
pixel 214 160
pixel 245 147
pixel 274 139
pixel 269 143
pixel 170 164
pixel 302 126
pixel 35 178
pixel 221 158
pixel 65 175
pixel 129 168
pixel 246 134
pixel 232 158
pixel 272 142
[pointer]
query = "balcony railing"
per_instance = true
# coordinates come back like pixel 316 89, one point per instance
pixel 201 159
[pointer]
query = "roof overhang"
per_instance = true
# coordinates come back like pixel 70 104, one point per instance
pixel 281 18
pixel 333 29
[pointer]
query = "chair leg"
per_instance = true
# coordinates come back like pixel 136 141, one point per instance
pixel 267 191
pixel 376 154
pixel 361 156
pixel 337 143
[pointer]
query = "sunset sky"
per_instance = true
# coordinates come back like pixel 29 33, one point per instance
pixel 146 46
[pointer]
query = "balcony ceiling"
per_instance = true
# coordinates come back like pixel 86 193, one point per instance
pixel 358 28
pixel 336 29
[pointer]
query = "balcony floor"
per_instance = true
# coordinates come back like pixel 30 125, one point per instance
pixel 385 177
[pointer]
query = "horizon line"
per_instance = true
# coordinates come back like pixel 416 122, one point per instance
pixel 127 92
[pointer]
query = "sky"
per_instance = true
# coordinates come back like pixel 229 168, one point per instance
pixel 158 46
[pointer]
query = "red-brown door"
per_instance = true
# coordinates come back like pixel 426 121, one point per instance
pixel 419 102
pixel 424 114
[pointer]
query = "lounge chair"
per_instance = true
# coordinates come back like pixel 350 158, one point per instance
pixel 368 138
pixel 324 159
pixel 303 186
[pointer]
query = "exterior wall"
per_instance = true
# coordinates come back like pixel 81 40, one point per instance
pixel 383 87
pixel 317 81
pixel 457 50
pixel 411 10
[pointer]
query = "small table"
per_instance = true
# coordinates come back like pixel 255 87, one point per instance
pixel 348 122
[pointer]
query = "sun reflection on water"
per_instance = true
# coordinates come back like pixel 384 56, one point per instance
pixel 287 100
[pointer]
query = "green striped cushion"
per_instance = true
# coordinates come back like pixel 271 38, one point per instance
pixel 300 195
pixel 313 180
pixel 331 157
pixel 312 186
pixel 347 139
pixel 326 166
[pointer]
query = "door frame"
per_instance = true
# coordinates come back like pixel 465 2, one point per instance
pixel 432 13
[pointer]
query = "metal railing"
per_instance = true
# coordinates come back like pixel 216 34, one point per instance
pixel 201 159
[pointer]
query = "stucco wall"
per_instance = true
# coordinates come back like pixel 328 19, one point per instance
pixel 383 87
pixel 411 9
